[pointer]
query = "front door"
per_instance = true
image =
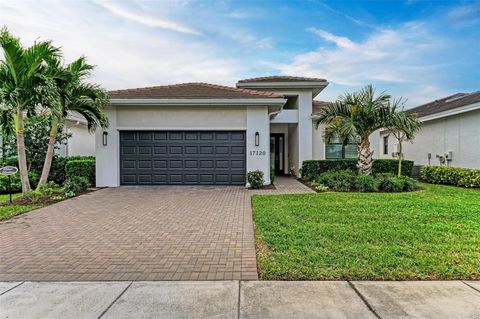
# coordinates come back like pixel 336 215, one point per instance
pixel 277 153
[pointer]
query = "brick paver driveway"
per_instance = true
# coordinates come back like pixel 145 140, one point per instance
pixel 137 233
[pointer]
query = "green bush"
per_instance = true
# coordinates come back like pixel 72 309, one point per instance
pixel 46 192
pixel 58 168
pixel 255 179
pixel 366 184
pixel 409 184
pixel 83 168
pixel 16 185
pixel 389 183
pixel 449 175
pixel 76 185
pixel 313 168
pixel 340 181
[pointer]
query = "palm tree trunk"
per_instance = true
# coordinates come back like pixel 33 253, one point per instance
pixel 22 156
pixel 365 157
pixel 400 158
pixel 47 164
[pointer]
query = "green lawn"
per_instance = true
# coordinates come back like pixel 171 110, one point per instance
pixel 9 211
pixel 428 234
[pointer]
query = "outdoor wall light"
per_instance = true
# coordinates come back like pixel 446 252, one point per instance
pixel 104 140
pixel 257 139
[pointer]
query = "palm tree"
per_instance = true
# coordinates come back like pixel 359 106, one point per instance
pixel 403 126
pixel 73 96
pixel 354 117
pixel 22 82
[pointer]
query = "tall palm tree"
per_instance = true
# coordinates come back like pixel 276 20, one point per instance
pixel 403 126
pixel 74 95
pixel 355 116
pixel 22 82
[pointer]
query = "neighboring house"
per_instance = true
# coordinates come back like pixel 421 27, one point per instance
pixel 198 133
pixel 81 141
pixel 450 133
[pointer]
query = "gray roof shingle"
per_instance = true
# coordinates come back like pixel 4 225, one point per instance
pixel 191 91
pixel 447 103
pixel 281 78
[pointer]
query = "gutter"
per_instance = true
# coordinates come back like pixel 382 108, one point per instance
pixel 260 101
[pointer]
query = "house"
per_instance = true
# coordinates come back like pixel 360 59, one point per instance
pixel 450 133
pixel 81 142
pixel 199 133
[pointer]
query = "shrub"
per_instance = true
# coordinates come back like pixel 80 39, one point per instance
pixel 312 169
pixel 16 185
pixel 409 184
pixel 389 183
pixel 451 176
pixel 59 163
pixel 46 192
pixel 83 168
pixel 340 181
pixel 76 185
pixel 366 184
pixel 320 188
pixel 272 175
pixel 255 179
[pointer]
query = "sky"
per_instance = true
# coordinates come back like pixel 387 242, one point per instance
pixel 418 50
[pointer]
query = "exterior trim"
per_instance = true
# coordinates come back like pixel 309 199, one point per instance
pixel 458 110
pixel 305 85
pixel 180 128
pixel 260 101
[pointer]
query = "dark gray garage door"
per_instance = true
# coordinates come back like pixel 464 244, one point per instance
pixel 182 157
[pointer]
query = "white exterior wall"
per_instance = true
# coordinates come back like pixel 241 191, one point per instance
pixel 252 119
pixel 293 147
pixel 305 128
pixel 258 157
pixel 459 134
pixel 81 142
pixel 181 117
pixel 318 143
pixel 108 157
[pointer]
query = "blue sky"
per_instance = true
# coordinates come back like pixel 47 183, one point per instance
pixel 420 50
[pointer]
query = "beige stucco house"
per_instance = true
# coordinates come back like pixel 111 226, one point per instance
pixel 199 133
pixel 450 134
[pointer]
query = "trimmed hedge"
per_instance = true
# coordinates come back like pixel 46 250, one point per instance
pixel 312 169
pixel 449 175
pixel 16 183
pixel 81 168
pixel 58 169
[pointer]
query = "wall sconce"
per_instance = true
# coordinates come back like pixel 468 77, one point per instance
pixel 104 138
pixel 257 139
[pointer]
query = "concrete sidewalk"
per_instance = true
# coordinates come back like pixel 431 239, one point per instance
pixel 241 299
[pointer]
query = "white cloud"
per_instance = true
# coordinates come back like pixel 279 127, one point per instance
pixel 125 55
pixel 389 57
pixel 339 41
pixel 147 20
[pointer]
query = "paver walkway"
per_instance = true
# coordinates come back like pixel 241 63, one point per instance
pixel 137 233
pixel 241 299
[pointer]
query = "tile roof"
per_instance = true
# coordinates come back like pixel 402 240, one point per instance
pixel 447 103
pixel 282 78
pixel 318 105
pixel 191 91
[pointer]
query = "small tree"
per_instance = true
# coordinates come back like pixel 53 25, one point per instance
pixel 22 78
pixel 403 126
pixel 355 116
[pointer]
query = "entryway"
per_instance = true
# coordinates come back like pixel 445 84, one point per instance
pixel 277 152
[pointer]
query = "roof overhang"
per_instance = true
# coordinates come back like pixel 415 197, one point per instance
pixel 455 111
pixel 274 104
pixel 315 86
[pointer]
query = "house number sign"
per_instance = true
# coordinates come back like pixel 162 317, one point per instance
pixel 258 153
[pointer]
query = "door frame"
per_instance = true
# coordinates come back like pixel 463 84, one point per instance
pixel 278 170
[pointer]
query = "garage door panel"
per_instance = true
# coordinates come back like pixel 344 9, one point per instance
pixel 182 157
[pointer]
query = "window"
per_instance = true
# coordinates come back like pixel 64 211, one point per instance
pixel 385 145
pixel 337 150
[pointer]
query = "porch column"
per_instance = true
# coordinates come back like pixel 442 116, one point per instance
pixel 258 156
pixel 305 128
